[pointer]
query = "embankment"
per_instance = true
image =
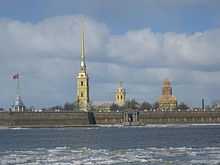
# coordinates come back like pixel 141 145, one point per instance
pixel 76 119
pixel 44 119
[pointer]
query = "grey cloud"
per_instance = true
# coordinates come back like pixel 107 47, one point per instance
pixel 148 49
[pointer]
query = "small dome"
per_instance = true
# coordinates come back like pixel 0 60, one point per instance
pixel 18 101
pixel 166 82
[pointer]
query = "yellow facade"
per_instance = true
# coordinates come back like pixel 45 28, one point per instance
pixel 83 91
pixel 120 95
pixel 167 101
pixel 83 80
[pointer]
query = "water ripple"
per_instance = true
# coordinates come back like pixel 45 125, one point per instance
pixel 88 156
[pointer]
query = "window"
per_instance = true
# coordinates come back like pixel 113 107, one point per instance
pixel 121 97
pixel 81 83
pixel 81 94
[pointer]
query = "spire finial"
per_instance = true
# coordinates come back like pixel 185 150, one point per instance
pixel 120 83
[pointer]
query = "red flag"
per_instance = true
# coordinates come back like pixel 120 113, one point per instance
pixel 16 76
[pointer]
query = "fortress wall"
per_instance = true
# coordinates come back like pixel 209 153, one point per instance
pixel 160 117
pixel 43 119
pixel 65 119
pixel 179 117
pixel 109 117
pixel 4 119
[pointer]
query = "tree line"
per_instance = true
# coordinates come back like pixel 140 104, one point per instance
pixel 129 105
pixel 143 106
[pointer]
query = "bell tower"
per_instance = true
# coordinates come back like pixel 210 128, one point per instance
pixel 120 95
pixel 82 79
pixel 167 101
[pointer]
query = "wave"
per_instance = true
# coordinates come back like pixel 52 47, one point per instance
pixel 19 128
pixel 123 126
pixel 178 125
pixel 151 155
pixel 14 128
pixel 159 125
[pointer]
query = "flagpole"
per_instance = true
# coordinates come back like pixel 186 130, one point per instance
pixel 18 86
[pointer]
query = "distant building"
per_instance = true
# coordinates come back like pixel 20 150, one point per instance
pixel 167 101
pixel 83 80
pixel 102 107
pixel 18 105
pixel 120 95
pixel 216 105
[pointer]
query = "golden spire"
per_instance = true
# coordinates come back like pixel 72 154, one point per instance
pixel 82 53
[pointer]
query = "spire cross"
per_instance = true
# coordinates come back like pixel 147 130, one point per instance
pixel 120 83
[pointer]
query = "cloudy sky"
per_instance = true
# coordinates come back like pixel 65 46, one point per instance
pixel 138 42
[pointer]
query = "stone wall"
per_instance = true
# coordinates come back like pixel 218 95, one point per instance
pixel 44 119
pixel 159 117
pixel 70 119
pixel 179 117
pixel 108 117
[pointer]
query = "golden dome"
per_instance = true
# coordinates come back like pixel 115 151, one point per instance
pixel 166 82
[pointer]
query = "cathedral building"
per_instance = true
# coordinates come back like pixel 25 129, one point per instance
pixel 18 105
pixel 83 80
pixel 120 95
pixel 167 101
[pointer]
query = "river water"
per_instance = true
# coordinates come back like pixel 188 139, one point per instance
pixel 153 145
